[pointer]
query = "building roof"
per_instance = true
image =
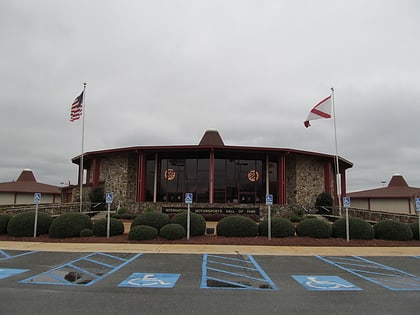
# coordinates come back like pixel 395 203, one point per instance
pixel 397 188
pixel 26 183
pixel 211 140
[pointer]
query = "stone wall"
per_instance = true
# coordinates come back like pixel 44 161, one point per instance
pixel 118 172
pixel 309 180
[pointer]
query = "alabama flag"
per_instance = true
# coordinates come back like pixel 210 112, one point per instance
pixel 320 110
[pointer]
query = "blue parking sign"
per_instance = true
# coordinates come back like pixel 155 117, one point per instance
pixel 269 200
pixel 37 198
pixel 418 204
pixel 109 198
pixel 188 198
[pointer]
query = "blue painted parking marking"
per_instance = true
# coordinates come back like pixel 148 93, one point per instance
pixel 150 280
pixel 326 283
pixel 84 271
pixel 7 272
pixel 13 254
pixel 234 272
pixel 385 276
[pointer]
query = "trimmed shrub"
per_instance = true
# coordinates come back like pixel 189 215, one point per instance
pixel 197 222
pixel 415 229
pixel 296 215
pixel 142 232
pixel 151 218
pixel 358 229
pixel 324 199
pixel 392 230
pixel 172 231
pixel 314 228
pixel 280 227
pixel 237 225
pixel 22 224
pixel 86 233
pixel 116 227
pixel 4 220
pixel 69 225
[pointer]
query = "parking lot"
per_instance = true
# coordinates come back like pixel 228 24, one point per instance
pixel 110 283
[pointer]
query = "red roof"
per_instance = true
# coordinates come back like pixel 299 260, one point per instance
pixel 397 188
pixel 211 140
pixel 26 183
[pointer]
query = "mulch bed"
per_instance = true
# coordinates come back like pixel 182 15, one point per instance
pixel 220 240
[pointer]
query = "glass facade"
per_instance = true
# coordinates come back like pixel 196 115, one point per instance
pixel 237 179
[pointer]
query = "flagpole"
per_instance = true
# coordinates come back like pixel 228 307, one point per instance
pixel 83 148
pixel 337 166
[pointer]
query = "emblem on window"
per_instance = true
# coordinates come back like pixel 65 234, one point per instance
pixel 253 175
pixel 170 174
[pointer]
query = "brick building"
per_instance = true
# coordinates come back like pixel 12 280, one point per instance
pixel 217 174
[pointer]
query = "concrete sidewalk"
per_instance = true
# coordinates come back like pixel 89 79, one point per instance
pixel 211 249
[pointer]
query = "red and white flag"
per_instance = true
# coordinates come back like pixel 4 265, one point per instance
pixel 320 110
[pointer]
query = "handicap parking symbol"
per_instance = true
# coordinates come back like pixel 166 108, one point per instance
pixel 7 272
pixel 325 283
pixel 150 280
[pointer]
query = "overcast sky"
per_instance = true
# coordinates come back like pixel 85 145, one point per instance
pixel 162 72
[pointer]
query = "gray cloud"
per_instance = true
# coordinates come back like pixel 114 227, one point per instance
pixel 161 72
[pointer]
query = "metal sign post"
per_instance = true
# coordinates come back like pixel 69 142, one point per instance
pixel 346 202
pixel 269 203
pixel 108 198
pixel 188 201
pixel 37 200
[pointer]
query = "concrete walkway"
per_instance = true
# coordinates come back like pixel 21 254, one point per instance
pixel 212 249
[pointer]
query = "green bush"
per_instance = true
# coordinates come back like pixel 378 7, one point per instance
pixel 324 199
pixel 142 232
pixel 86 233
pixel 4 220
pixel 69 225
pixel 197 222
pixel 151 218
pixel 392 230
pixel 22 224
pixel 172 231
pixel 415 229
pixel 358 229
pixel 280 227
pixel 116 227
pixel 314 228
pixel 296 215
pixel 237 225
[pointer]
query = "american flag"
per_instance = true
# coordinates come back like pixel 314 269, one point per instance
pixel 76 108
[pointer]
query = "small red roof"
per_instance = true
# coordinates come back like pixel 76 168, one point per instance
pixel 26 183
pixel 397 188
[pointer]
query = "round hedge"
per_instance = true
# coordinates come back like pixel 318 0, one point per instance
pixel 22 224
pixel 392 230
pixel 153 219
pixel 415 229
pixel 358 229
pixel 142 232
pixel 172 231
pixel 314 228
pixel 280 227
pixel 237 225
pixel 4 220
pixel 86 233
pixel 197 222
pixel 116 227
pixel 69 225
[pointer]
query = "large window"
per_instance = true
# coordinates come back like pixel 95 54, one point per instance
pixel 237 178
pixel 176 176
pixel 238 181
